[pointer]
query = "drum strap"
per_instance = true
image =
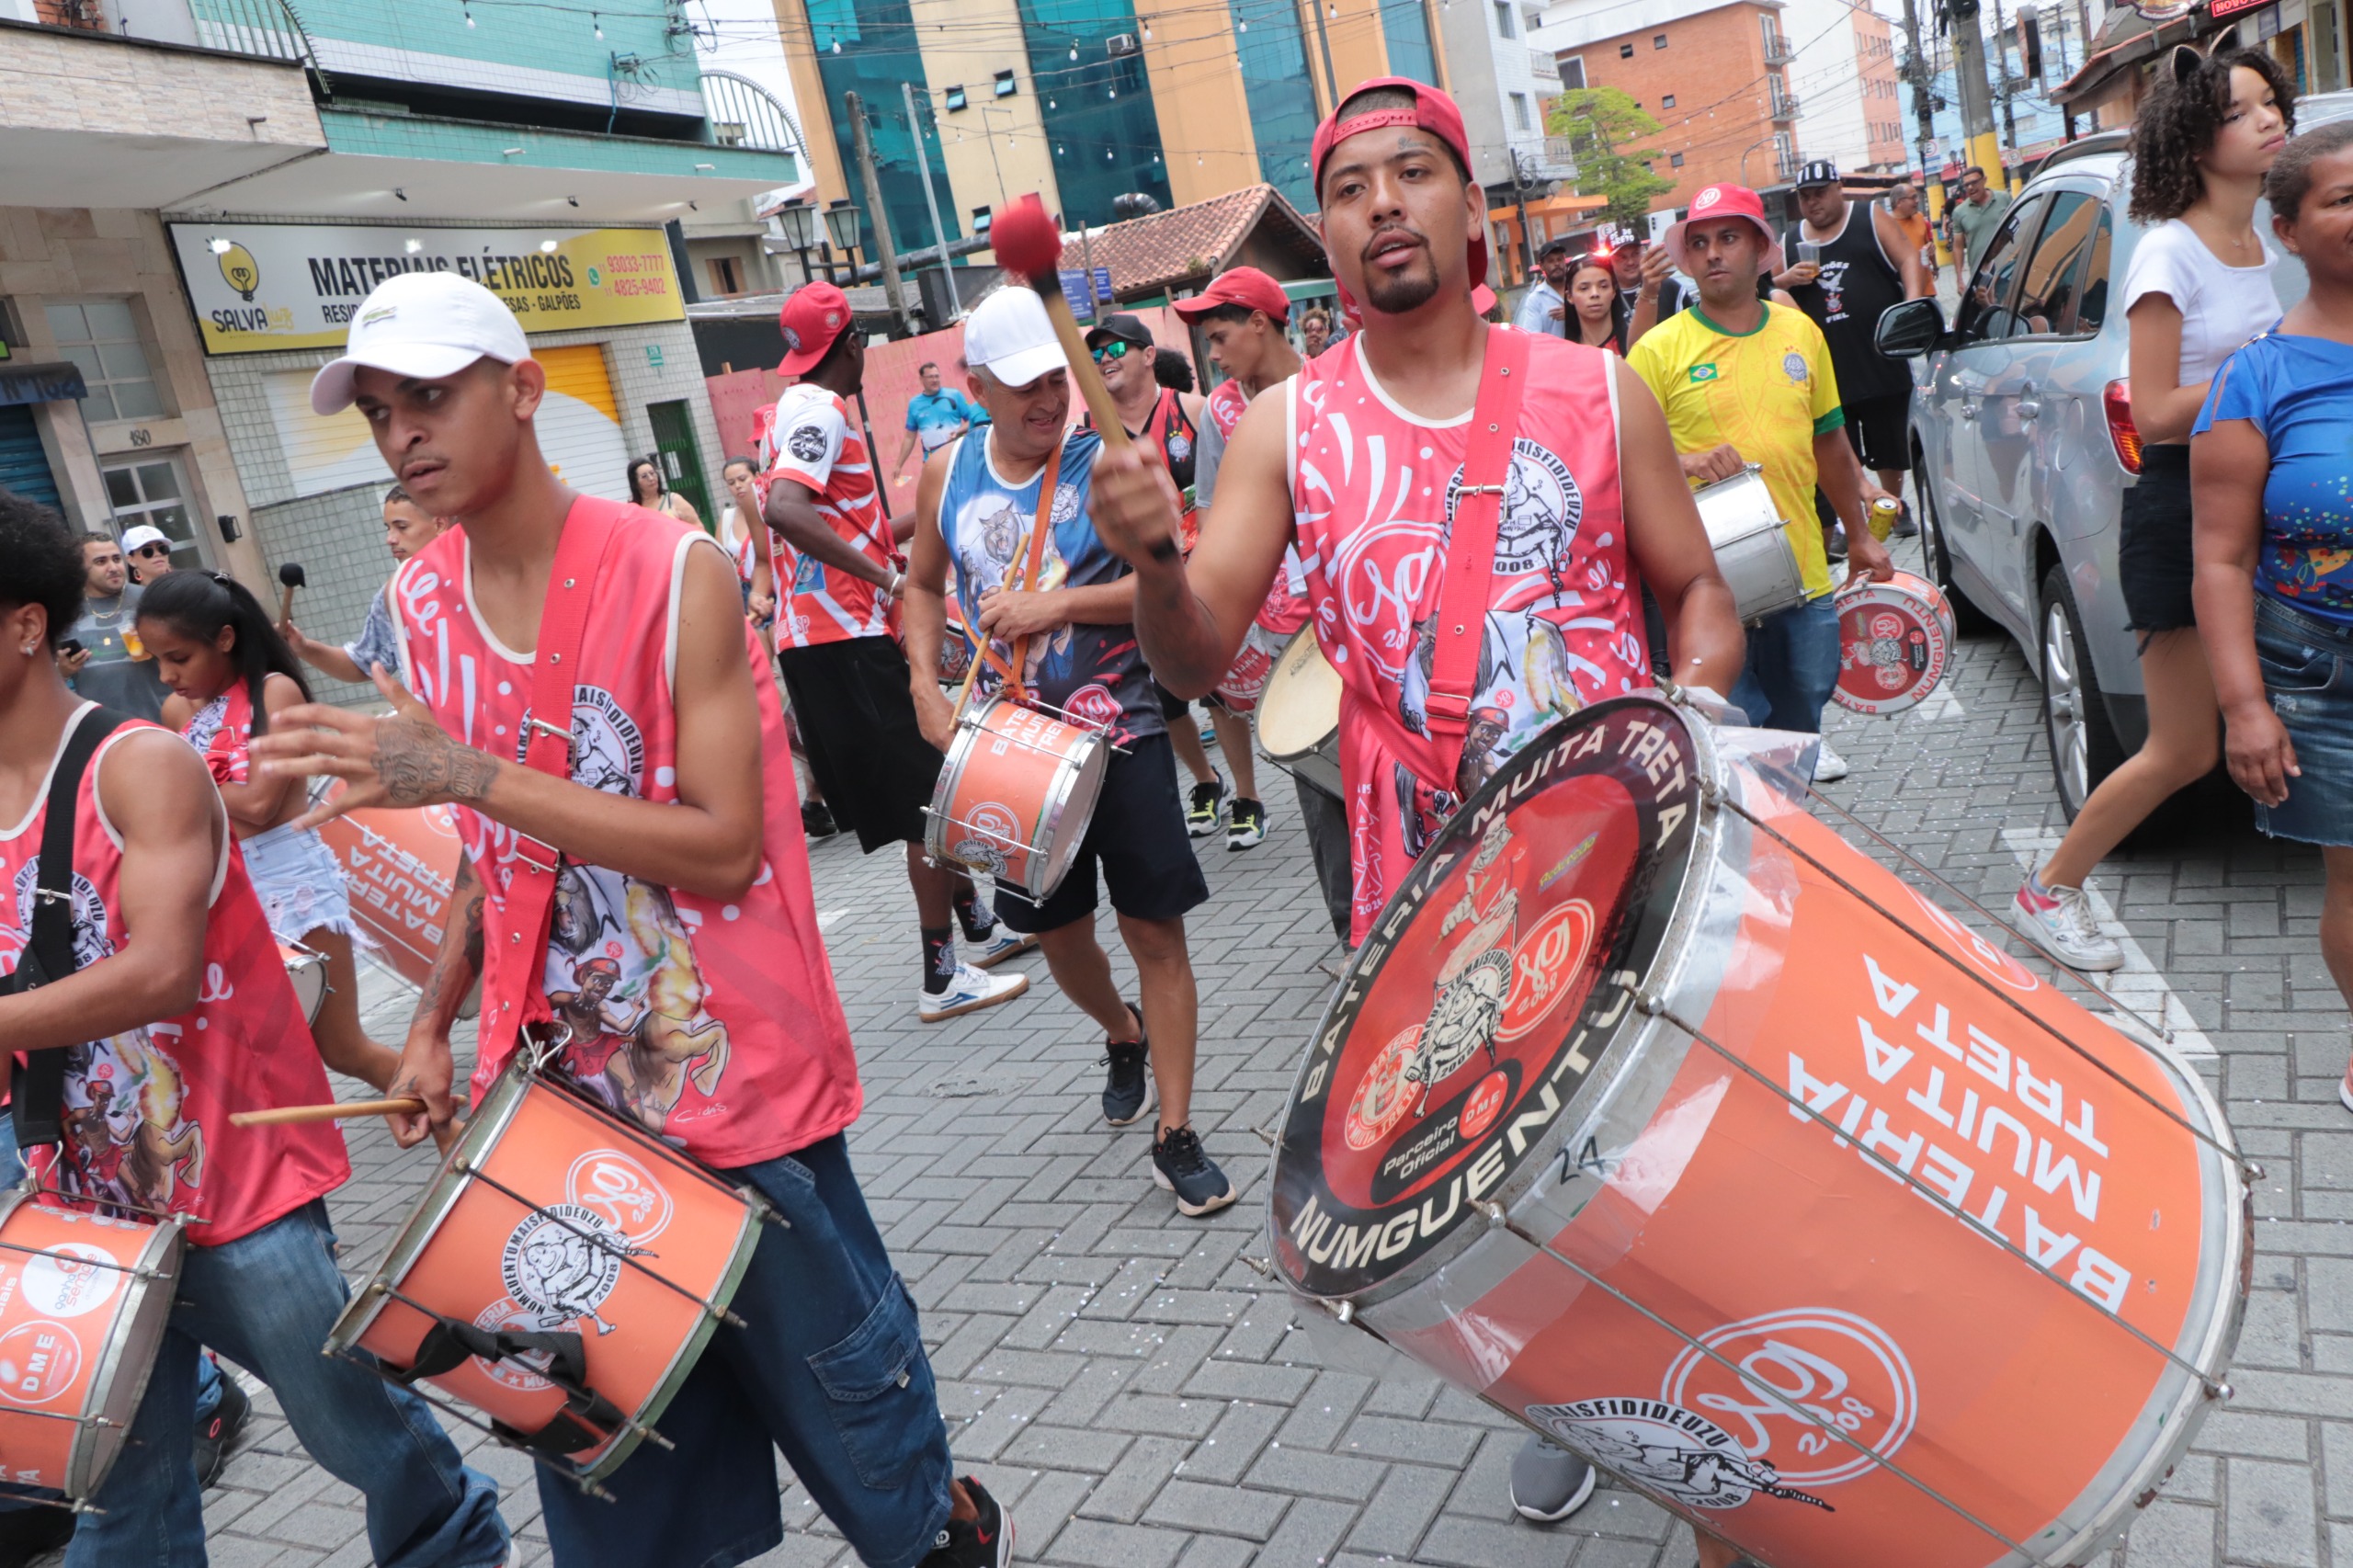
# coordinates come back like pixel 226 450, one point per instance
pixel 48 957
pixel 1038 527
pixel 587 1417
pixel 582 555
pixel 1471 543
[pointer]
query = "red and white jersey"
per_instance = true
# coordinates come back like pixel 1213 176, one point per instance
pixel 815 441
pixel 222 731
pixel 147 1111
pixel 713 1023
pixel 1373 489
pixel 1285 610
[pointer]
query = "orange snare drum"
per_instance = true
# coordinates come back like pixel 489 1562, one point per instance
pixel 1661 1119
pixel 308 971
pixel 1014 795
pixel 83 1299
pixel 551 1217
pixel 398 866
pixel 1894 639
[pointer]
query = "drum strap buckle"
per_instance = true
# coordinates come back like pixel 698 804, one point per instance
pixel 587 1417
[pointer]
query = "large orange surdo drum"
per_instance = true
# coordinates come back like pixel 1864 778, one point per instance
pixel 561 1274
pixel 1661 1119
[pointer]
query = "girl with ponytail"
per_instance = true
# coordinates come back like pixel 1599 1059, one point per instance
pixel 228 670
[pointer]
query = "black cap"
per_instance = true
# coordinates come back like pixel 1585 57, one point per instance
pixel 1818 171
pixel 1124 327
pixel 1554 247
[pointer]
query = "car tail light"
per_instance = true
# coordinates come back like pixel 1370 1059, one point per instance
pixel 2116 402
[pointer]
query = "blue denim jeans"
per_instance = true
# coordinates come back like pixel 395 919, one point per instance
pixel 267 1300
pixel 1793 667
pixel 2307 674
pixel 829 1368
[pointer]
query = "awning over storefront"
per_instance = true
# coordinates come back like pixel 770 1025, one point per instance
pixel 2127 40
pixel 57 381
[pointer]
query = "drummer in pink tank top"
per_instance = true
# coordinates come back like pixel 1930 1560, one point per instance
pixel 676 968
pixel 1359 462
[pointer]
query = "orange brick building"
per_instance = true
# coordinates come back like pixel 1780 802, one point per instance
pixel 1713 75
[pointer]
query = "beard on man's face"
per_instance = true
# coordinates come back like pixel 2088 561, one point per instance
pixel 1395 293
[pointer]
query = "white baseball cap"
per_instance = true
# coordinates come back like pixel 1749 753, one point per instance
pixel 142 535
pixel 426 325
pixel 1009 335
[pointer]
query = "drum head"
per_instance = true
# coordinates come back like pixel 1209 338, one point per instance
pixel 1468 1019
pixel 1892 643
pixel 1301 703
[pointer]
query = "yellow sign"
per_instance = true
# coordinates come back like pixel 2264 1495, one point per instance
pixel 260 288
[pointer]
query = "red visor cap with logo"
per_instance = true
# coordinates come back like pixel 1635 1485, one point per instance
pixel 811 319
pixel 1433 111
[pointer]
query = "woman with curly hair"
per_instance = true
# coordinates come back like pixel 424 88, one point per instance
pixel 2199 285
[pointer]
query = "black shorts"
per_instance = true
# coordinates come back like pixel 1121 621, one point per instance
pixel 1138 836
pixel 2152 561
pixel 1880 430
pixel 858 732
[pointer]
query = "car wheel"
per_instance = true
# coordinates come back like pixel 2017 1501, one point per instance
pixel 2083 747
pixel 1966 617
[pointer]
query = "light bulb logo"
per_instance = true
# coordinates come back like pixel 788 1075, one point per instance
pixel 241 272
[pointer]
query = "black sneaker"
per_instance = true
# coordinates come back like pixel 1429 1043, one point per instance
pixel 1906 528
pixel 816 820
pixel 1245 825
pixel 1127 1087
pixel 1179 1166
pixel 982 1542
pixel 32 1533
pixel 1202 820
pixel 217 1434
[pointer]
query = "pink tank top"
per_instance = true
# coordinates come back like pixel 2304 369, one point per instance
pixel 1372 492
pixel 147 1111
pixel 1285 610
pixel 713 1024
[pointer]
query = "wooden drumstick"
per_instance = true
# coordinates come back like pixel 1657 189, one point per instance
pixel 1027 242
pixel 290 576
pixel 281 1116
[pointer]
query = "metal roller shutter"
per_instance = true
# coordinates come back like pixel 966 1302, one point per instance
pixel 24 466
pixel 580 422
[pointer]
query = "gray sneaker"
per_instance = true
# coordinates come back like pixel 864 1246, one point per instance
pixel 1548 1482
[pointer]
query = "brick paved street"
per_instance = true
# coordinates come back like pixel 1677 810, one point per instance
pixel 1137 1390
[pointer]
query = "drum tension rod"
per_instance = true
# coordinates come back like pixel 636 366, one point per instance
pixel 137 1271
pixel 489 1429
pixel 602 1243
pixel 1498 1218
pixel 760 1206
pixel 2012 1003
pixel 1938 1200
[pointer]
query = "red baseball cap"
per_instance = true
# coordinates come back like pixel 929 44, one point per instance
pixel 1244 286
pixel 814 314
pixel 1725 201
pixel 1433 111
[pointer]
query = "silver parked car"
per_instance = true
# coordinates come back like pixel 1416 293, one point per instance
pixel 2022 442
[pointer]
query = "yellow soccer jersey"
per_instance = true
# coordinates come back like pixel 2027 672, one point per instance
pixel 1769 392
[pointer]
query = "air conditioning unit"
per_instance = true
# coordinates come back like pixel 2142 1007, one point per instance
pixel 1118 46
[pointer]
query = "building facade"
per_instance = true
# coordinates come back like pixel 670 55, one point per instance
pixel 1506 86
pixel 1845 75
pixel 1714 76
pixel 194 209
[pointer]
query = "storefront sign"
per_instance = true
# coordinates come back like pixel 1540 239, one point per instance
pixel 2221 8
pixel 262 287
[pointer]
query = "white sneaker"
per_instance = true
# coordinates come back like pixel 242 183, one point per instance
pixel 2060 923
pixel 1828 766
pixel 1003 943
pixel 969 991
pixel 2344 1086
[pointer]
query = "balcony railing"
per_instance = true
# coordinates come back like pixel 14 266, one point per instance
pixel 1777 51
pixel 742 113
pixel 1784 107
pixel 1786 166
pixel 261 29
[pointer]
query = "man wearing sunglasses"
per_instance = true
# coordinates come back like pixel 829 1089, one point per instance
pixel 149 551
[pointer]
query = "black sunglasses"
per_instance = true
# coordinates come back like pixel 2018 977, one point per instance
pixel 152 549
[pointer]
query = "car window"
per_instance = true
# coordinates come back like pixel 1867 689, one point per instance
pixel 2091 287
pixel 2052 273
pixel 1985 313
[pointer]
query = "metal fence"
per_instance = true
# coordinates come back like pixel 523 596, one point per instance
pixel 742 113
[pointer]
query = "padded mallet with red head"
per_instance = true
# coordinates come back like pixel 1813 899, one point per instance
pixel 1027 245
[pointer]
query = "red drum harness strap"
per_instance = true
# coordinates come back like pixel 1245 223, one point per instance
pixel 1471 544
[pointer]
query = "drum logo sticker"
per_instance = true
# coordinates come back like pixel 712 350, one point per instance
pixel 562 1263
pixel 69 1279
pixel 39 1361
pixel 1383 1097
pixel 1814 1384
pixel 1676 1454
pixel 991 836
pixel 622 1190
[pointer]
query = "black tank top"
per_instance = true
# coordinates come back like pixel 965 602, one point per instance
pixel 1857 282
pixel 1166 424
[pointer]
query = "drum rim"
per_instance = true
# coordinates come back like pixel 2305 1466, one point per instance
pixel 1287 759
pixel 1606 1053
pixel 1071 775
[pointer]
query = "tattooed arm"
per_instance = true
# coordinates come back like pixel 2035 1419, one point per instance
pixel 425 1071
pixel 706 842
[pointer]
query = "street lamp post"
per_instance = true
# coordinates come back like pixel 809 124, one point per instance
pixel 799 221
pixel 841 227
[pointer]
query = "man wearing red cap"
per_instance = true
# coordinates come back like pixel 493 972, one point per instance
pixel 838 646
pixel 1359 462
pixel 1745 380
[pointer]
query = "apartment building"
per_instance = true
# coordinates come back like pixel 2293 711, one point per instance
pixel 1846 75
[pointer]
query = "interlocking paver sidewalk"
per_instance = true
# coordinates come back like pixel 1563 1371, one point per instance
pixel 1138 1388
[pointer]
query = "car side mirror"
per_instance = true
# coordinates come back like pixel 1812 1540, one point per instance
pixel 1909 330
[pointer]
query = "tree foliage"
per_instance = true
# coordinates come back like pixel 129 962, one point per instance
pixel 1605 127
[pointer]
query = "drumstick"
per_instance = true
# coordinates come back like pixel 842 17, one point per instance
pixel 281 1116
pixel 290 576
pixel 1028 244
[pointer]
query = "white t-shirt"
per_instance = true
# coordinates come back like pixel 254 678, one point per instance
pixel 2221 306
